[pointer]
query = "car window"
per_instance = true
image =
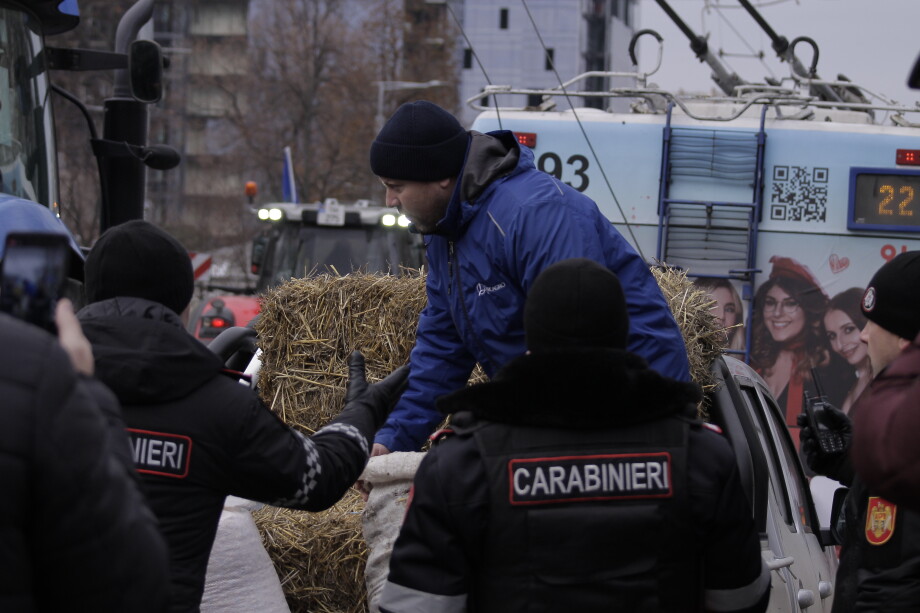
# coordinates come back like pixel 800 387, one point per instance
pixel 787 478
pixel 794 476
pixel 766 439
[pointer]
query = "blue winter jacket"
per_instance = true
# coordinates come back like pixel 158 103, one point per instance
pixel 505 223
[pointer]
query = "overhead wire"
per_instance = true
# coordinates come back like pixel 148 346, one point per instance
pixel 475 55
pixel 717 8
pixel 584 132
pixel 758 55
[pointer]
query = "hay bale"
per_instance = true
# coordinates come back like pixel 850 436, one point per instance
pixel 307 329
pixel 319 557
pixel 692 308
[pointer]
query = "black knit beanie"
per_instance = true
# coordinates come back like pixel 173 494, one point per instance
pixel 139 260
pixel 576 303
pixel 420 142
pixel 892 299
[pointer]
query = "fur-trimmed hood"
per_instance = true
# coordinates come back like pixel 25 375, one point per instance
pixel 143 352
pixel 584 388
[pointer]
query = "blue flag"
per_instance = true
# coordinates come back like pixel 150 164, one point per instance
pixel 288 188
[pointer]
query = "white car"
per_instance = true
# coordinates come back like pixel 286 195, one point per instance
pixel 799 551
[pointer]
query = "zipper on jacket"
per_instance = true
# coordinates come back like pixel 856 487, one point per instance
pixel 465 313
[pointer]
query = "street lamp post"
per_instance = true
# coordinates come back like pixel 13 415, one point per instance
pixel 385 86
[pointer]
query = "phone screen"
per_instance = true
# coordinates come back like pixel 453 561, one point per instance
pixel 34 275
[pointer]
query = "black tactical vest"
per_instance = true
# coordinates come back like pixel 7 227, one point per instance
pixel 588 520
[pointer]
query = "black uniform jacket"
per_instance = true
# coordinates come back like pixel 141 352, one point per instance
pixel 198 435
pixel 75 533
pixel 437 561
pixel 880 560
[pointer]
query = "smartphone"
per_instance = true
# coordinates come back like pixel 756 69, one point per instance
pixel 829 440
pixel 34 275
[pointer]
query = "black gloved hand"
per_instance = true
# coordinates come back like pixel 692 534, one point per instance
pixel 357 384
pixel 377 398
pixel 833 464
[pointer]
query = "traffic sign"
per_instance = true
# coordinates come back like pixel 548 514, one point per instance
pixel 201 264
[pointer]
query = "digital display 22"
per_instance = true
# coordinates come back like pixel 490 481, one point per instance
pixel 886 200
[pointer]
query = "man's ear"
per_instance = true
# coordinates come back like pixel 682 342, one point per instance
pixel 447 183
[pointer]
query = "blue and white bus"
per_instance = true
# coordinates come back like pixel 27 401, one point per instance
pixel 786 200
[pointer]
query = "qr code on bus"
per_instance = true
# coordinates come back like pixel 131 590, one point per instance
pixel 799 193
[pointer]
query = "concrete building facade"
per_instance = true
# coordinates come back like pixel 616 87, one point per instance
pixel 537 44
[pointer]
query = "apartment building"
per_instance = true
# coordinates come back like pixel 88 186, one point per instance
pixel 536 44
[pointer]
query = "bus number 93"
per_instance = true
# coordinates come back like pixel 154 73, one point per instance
pixel 551 163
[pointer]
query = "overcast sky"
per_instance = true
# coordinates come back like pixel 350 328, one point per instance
pixel 873 42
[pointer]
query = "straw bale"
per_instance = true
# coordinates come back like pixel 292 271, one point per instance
pixel 692 308
pixel 319 557
pixel 307 329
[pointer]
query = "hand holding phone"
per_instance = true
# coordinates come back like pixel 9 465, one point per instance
pixel 830 440
pixel 34 274
pixel 825 438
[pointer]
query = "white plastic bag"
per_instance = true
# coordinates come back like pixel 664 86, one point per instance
pixel 389 477
pixel 241 577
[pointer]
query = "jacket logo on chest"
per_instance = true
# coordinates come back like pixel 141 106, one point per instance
pixel 589 478
pixel 482 289
pixel 159 453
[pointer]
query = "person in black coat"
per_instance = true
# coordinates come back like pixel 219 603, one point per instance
pixel 75 531
pixel 578 479
pixel 198 435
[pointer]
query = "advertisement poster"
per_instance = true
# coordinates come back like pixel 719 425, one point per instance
pixel 801 330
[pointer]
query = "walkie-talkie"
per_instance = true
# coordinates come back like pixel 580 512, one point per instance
pixel 829 440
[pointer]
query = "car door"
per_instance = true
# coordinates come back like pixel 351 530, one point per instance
pixel 802 569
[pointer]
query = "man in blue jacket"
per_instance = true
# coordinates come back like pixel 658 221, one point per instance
pixel 492 222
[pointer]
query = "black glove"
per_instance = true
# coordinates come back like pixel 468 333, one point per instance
pixel 357 384
pixel 833 464
pixel 376 398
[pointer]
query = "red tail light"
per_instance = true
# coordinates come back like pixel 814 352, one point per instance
pixel 907 157
pixel 528 139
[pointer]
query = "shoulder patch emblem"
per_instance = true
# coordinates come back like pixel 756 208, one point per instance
pixel 159 453
pixel 880 520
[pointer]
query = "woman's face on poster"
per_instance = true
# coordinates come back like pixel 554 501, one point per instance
pixel 725 309
pixel 782 315
pixel 844 337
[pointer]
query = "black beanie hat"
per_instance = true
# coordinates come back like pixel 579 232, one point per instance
pixel 892 299
pixel 576 303
pixel 420 142
pixel 139 260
